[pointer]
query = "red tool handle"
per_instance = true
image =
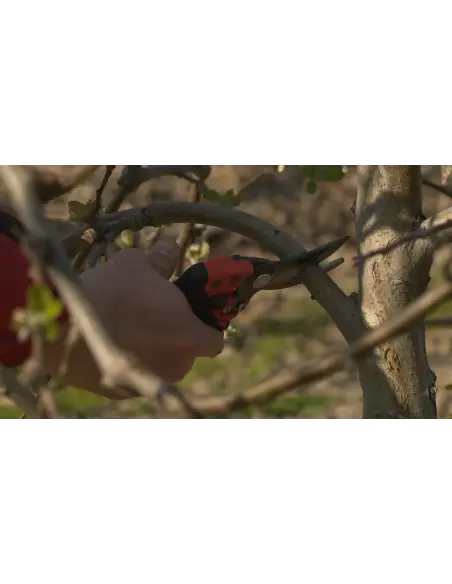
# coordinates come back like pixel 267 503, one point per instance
pixel 210 286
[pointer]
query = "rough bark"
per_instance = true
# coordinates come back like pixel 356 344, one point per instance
pixel 389 206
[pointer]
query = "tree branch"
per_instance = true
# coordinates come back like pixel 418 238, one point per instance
pixel 440 188
pixel 322 288
pixel 186 237
pixel 438 228
pixel 389 206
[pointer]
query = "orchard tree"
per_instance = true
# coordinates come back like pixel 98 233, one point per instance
pixel 383 323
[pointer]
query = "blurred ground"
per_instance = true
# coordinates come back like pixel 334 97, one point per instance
pixel 278 330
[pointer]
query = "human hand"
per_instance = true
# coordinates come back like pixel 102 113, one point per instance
pixel 146 315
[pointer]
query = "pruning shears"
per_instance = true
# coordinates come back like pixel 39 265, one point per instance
pixel 219 288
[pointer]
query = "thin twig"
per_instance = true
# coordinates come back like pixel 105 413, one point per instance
pixel 108 172
pixel 83 255
pixel 440 188
pixel 187 236
pixel 446 321
pixel 422 233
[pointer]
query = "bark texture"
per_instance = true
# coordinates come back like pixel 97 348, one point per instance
pixel 389 206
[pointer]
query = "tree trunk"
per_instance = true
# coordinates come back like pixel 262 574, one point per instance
pixel 396 379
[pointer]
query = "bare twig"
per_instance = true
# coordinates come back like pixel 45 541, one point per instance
pixel 129 182
pixel 440 188
pixel 186 238
pixel 47 404
pixel 108 172
pixel 423 233
pixel 83 255
pixel 440 322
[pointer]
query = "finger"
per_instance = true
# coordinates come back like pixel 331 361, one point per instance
pixel 163 257
pixel 208 342
pixel 175 372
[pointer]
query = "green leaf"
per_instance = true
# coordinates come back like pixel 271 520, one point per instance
pixel 324 173
pixel 211 195
pixel 125 239
pixel 311 187
pixel 309 171
pixel 40 300
pixel 237 199
pixel 52 330
pixel 54 309
pixel 42 312
pixel 198 252
pixel 81 211
pixel 330 173
pixel 229 199
pixel 232 332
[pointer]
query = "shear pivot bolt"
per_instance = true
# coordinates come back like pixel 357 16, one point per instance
pixel 262 281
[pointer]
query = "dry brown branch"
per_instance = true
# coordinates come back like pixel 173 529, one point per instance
pixel 424 232
pixel 320 285
pixel 187 236
pixel 132 178
pixel 440 188
pixel 100 191
pixel 83 255
pixel 446 322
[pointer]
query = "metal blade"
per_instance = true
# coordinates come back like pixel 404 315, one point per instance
pixel 286 273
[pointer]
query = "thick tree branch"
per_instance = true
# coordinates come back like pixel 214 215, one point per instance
pixel 322 288
pixel 389 206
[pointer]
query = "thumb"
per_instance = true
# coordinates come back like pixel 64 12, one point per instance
pixel 163 257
